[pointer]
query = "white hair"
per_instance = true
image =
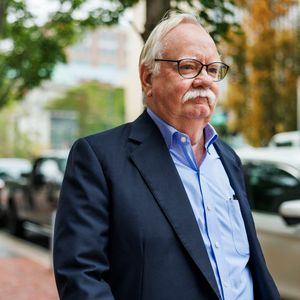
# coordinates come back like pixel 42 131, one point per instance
pixel 153 47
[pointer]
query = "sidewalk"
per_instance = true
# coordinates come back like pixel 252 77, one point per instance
pixel 25 271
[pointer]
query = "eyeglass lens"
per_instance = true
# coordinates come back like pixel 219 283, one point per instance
pixel 191 68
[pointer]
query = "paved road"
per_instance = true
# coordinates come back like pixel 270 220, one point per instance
pixel 25 271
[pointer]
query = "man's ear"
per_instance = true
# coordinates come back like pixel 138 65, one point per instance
pixel 146 80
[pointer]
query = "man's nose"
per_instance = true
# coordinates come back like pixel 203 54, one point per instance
pixel 203 79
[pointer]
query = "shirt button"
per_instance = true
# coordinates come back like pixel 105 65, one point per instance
pixel 209 207
pixel 183 139
pixel 226 284
pixel 217 245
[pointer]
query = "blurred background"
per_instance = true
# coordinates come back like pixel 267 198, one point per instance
pixel 69 68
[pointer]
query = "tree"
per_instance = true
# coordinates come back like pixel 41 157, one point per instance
pixel 98 106
pixel 263 84
pixel 213 13
pixel 29 50
pixel 14 143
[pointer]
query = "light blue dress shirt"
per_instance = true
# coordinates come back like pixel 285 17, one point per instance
pixel 216 210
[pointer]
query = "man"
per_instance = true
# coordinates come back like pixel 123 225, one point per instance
pixel 156 209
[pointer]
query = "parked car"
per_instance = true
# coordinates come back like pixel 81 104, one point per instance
pixel 285 139
pixel 273 184
pixel 34 197
pixel 11 169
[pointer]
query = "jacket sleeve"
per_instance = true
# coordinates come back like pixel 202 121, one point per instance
pixel 81 232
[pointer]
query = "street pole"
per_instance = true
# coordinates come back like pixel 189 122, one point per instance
pixel 298 104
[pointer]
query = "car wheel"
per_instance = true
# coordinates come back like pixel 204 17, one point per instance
pixel 14 224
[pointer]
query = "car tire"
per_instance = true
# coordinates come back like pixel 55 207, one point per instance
pixel 14 224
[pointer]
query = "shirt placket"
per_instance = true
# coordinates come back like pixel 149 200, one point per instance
pixel 214 236
pixel 211 224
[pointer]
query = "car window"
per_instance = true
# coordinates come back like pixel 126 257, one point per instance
pixel 269 185
pixel 49 168
pixel 62 162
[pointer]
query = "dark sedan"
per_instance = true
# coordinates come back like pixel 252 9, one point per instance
pixel 11 169
pixel 33 198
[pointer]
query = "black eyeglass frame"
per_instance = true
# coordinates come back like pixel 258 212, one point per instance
pixel 178 61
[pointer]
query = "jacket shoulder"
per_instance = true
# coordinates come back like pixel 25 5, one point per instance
pixel 113 136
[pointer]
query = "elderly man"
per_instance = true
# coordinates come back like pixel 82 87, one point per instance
pixel 156 209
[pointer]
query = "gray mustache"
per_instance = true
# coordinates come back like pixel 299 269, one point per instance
pixel 204 93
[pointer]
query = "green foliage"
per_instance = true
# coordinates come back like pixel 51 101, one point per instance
pixel 34 48
pixel 218 16
pixel 14 143
pixel 99 106
pixel 215 15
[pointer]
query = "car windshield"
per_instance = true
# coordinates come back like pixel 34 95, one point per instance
pixel 14 167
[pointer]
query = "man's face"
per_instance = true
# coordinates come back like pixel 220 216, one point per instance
pixel 165 91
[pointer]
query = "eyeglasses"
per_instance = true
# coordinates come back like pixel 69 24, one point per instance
pixel 190 68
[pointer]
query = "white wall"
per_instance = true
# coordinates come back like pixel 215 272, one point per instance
pixel 32 117
pixel 133 91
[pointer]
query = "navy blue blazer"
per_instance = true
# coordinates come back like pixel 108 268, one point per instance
pixel 125 229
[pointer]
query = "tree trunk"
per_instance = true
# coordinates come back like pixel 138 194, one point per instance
pixel 155 9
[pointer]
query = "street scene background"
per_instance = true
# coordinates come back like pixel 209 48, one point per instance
pixel 70 68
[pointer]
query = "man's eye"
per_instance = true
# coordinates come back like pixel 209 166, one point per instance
pixel 213 70
pixel 187 66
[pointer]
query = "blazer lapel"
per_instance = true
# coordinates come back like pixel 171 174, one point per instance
pixel 155 164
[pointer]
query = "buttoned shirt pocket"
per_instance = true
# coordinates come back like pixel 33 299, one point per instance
pixel 238 230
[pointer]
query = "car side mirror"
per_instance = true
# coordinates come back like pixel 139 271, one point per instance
pixel 290 212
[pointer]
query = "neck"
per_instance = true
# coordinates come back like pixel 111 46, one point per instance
pixel 197 137
pixel 199 152
pixel 195 131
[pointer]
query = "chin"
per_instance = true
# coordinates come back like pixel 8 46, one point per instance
pixel 200 112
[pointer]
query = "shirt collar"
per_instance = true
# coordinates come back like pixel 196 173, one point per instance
pixel 168 131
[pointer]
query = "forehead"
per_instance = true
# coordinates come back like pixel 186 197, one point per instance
pixel 189 40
